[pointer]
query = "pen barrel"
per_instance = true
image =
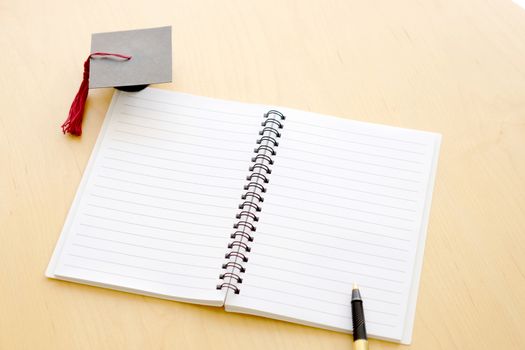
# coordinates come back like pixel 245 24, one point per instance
pixel 361 344
pixel 358 320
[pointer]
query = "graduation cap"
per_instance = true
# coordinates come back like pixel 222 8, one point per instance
pixel 128 60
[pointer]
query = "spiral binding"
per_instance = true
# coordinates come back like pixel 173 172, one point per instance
pixel 252 199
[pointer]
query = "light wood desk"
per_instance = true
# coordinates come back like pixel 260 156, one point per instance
pixel 456 67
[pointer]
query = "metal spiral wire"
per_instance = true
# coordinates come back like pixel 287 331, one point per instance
pixel 248 216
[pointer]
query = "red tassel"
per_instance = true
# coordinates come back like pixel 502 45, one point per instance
pixel 73 123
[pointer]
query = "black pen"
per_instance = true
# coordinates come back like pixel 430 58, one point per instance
pixel 358 320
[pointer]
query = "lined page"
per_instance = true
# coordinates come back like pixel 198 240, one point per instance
pixel 158 199
pixel 347 202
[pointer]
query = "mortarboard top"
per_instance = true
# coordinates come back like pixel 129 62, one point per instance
pixel 128 60
pixel 150 63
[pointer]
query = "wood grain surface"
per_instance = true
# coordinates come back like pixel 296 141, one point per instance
pixel 456 67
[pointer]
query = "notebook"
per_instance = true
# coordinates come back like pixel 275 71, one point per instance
pixel 263 210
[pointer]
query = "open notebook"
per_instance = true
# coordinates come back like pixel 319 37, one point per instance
pixel 267 211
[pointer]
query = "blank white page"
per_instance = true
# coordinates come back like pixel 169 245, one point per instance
pixel 158 199
pixel 347 202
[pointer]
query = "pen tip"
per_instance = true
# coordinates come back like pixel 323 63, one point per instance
pixel 356 294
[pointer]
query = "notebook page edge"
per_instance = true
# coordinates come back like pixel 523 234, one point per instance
pixel 206 302
pixel 50 270
pixel 255 312
pixel 411 312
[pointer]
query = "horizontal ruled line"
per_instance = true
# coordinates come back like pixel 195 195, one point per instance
pixel 369 144
pixel 145 257
pixel 161 197
pixel 141 267
pixel 344 217
pixel 156 217
pixel 193 107
pixel 324 165
pixel 280 195
pixel 142 225
pixel 323 277
pixel 137 278
pixel 200 127
pixel 181 152
pixel 206 137
pixel 352 132
pixel 330 268
pixel 292 228
pixel 338 226
pixel 328 155
pixel 178 161
pixel 312 309
pixel 316 299
pixel 150 206
pixel 295 230
pixel 137 224
pixel 146 247
pixel 329 257
pixel 170 169
pixel 349 179
pixel 280 236
pixel 343 188
pixel 179 142
pixel 165 178
pixel 184 115
pixel 161 238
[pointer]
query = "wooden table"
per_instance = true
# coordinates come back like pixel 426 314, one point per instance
pixel 456 67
